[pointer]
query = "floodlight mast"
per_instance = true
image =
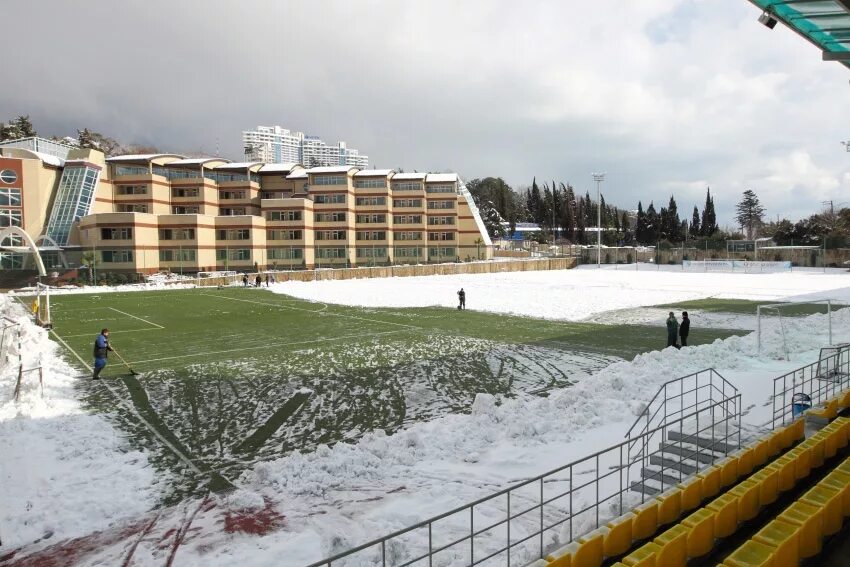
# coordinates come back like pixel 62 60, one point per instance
pixel 599 178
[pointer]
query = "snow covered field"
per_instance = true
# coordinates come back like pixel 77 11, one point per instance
pixel 337 497
pixel 573 295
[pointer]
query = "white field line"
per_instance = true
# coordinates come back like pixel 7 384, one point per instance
pixel 318 312
pixel 111 333
pixel 269 345
pixel 139 318
pixel 132 410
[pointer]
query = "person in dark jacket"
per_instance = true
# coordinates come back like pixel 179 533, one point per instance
pixel 461 298
pixel 245 280
pixel 684 328
pixel 258 280
pixel 101 348
pixel 672 331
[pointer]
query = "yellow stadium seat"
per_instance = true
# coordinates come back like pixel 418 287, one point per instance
pixel 844 466
pixel 617 535
pixel 725 508
pixel 816 445
pixel 768 481
pixel 784 538
pixel 589 552
pixel 845 399
pixel 828 412
pixel 841 428
pixel 785 468
pixel 810 521
pixel 747 495
pixel 728 470
pixel 802 461
pixel 831 504
pixel 701 532
pixel 744 465
pixel 797 430
pixel 710 481
pixel 751 554
pixel 760 452
pixel 669 506
pixel 691 493
pixel 645 522
pixel 775 442
pixel 538 563
pixel 840 481
pixel 674 547
pixel 644 556
pixel 561 557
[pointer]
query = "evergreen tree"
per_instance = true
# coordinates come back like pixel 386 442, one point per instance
pixel 640 225
pixel 695 223
pixel 750 214
pixel 708 225
pixel 653 222
pixel 674 224
pixel 535 206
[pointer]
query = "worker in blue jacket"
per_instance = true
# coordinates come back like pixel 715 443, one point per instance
pixel 101 348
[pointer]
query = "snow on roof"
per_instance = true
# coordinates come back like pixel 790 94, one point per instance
pixel 300 174
pixel 142 157
pixel 373 173
pixel 441 178
pixel 278 167
pixel 331 169
pixel 46 158
pixel 197 161
pixel 409 175
pixel 239 165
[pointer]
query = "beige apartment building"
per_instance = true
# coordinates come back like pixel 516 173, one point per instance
pixel 149 213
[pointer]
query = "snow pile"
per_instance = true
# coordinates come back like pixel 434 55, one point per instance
pixel 571 294
pixel 63 472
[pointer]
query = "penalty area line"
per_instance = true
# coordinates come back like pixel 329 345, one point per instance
pixel 139 318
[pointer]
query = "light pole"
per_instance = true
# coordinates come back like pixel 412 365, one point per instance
pixel 599 178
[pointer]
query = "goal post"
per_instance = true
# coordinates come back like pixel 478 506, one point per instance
pixel 782 311
pixel 41 306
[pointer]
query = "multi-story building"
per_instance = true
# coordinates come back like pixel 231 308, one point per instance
pixel 274 144
pixel 147 213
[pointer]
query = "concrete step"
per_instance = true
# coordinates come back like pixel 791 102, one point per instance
pixel 672 462
pixel 718 446
pixel 691 452
pixel 644 488
pixel 662 475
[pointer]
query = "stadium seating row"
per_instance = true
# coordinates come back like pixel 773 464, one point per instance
pixel 695 534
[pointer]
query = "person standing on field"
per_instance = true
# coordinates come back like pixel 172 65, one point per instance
pixel 684 328
pixel 461 297
pixel 101 347
pixel 672 331
pixel 258 280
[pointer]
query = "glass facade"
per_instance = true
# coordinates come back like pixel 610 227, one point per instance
pixel 73 200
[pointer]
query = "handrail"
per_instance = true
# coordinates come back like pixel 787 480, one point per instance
pixel 607 463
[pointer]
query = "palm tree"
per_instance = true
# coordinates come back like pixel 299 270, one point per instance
pixel 89 259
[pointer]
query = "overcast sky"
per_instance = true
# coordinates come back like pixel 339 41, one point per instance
pixel 665 96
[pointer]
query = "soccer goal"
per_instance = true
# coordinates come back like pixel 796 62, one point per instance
pixel 41 306
pixel 773 319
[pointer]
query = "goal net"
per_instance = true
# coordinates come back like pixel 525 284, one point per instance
pixel 743 266
pixel 40 306
pixel 777 327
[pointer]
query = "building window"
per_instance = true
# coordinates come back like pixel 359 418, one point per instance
pixel 74 199
pixel 407 186
pixel 371 252
pixel 185 191
pixel 330 252
pixel 177 234
pixel 8 176
pixel 407 203
pixel 116 256
pixel 440 188
pixel 371 235
pixel 285 253
pixel 330 217
pixel 441 220
pixel 331 234
pixel 116 233
pixel 372 219
pixel 233 234
pixel 10 197
pixel 370 201
pixel 132 208
pixel 187 255
pixel 180 210
pixel 329 179
pixel 441 252
pixel 284 235
pixel 241 254
pixel 441 204
pixel 408 252
pixel 283 215
pixel 432 236
pixel 407 235
pixel 407 219
pixel 10 217
pixel 132 189
pixel 228 195
pixel 370 183
pixel 232 212
pixel 329 198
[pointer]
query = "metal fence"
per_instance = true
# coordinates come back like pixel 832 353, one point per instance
pixel 819 381
pixel 521 523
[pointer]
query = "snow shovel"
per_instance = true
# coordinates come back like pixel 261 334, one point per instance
pixel 121 358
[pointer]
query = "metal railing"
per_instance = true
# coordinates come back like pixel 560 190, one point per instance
pixel 819 381
pixel 521 523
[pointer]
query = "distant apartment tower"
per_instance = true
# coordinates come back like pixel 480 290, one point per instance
pixel 274 144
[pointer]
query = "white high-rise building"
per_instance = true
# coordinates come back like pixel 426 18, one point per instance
pixel 274 144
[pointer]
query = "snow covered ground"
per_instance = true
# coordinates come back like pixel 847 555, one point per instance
pixel 63 472
pixel 573 295
pixel 338 497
